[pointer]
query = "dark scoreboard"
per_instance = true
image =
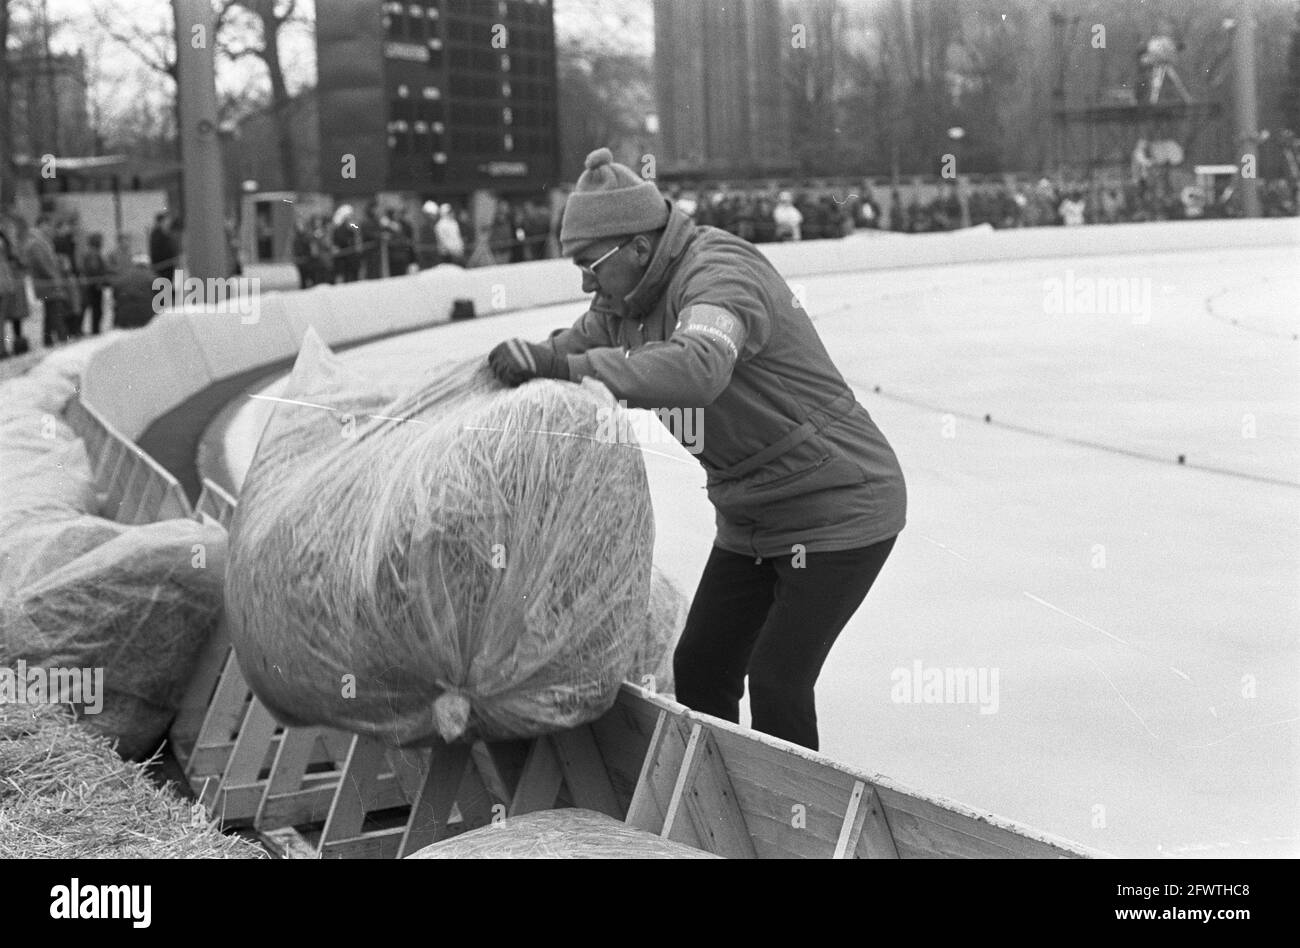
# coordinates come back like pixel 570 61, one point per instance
pixel 440 97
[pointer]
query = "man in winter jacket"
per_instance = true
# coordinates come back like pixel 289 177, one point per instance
pixel 49 281
pixel 809 495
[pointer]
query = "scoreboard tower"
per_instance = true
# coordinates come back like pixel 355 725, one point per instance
pixel 440 98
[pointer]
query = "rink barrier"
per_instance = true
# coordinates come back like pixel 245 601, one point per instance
pixel 137 379
pixel 649 762
pixel 132 487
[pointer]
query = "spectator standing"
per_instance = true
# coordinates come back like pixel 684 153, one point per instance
pixel 400 239
pixel 95 275
pixel 372 246
pixel 501 235
pixel 302 248
pixel 787 218
pixel 133 294
pixel 13 297
pixel 347 255
pixel 426 236
pixel 163 250
pixel 451 240
pixel 49 281
pixel 1072 210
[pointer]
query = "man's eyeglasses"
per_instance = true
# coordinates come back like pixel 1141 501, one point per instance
pixel 590 268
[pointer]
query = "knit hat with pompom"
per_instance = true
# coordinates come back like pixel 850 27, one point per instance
pixel 610 200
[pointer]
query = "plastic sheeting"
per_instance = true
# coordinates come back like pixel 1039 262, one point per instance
pixel 560 834
pixel 78 592
pixel 138 606
pixel 463 561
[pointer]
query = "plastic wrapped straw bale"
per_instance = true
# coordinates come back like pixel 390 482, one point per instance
pixel 464 561
pixel 653 665
pixel 560 834
pixel 139 606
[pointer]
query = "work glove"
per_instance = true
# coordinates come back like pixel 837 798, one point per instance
pixel 515 362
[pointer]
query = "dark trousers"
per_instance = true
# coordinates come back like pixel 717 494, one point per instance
pixel 54 324
pixel 775 621
pixel 95 303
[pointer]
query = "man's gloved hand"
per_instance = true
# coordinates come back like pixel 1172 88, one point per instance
pixel 515 362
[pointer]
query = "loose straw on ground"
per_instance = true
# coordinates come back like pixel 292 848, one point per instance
pixel 64 793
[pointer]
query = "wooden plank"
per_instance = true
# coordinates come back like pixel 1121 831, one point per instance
pixel 877 839
pixel 409 768
pixel 851 829
pixel 174 504
pixel 584 771
pixel 356 790
pixel 474 804
pixel 924 829
pixel 493 780
pixel 242 786
pixel 431 811
pixel 711 804
pixel 793 804
pixel 133 489
pixel 311 803
pixel 380 844
pixel 184 730
pixel 540 781
pixel 662 765
pixel 289 767
pixel 677 822
pixel 623 736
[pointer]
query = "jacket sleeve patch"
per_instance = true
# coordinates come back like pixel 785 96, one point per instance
pixel 714 322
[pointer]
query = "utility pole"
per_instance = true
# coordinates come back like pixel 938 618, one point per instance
pixel 196 91
pixel 1247 105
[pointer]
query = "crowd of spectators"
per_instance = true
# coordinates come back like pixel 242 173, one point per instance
pixel 765 215
pixel 71 274
pixel 389 241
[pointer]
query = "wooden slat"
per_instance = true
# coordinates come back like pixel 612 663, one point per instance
pixel 793 804
pixel 474 804
pixel 380 844
pixel 287 770
pixel 356 789
pixel 312 801
pixel 242 785
pixel 584 771
pixel 174 504
pixel 184 730
pixel 703 811
pixel 432 808
pixel 540 781
pixel 663 763
pixel 623 736
pixel 877 839
pixel 923 829
pixel 677 822
pixel 851 829
pixel 409 767
pixel 493 780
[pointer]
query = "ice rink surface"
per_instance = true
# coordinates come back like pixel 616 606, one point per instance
pixel 1133 621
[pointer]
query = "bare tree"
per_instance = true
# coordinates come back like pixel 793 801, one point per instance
pixel 268 19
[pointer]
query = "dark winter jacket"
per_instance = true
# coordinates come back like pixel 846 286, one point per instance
pixel 791 457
